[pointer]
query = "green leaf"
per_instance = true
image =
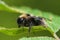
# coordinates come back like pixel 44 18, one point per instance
pixel 24 33
pixel 3 6
pixel 58 33
pixel 53 25
pixel 37 38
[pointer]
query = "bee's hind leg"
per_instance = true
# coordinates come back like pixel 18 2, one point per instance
pixel 29 30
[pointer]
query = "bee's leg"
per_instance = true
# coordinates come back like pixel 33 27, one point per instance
pixel 29 29
pixel 30 25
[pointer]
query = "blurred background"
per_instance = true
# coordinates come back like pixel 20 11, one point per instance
pixel 44 5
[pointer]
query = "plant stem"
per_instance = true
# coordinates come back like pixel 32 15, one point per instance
pixel 55 36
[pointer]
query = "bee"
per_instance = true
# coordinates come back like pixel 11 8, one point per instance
pixel 29 20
